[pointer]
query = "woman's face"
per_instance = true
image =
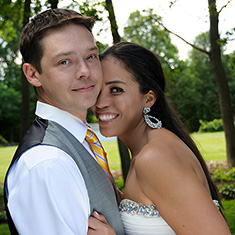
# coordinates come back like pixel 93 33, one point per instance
pixel 119 106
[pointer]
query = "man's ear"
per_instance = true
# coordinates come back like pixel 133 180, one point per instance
pixel 31 74
pixel 150 99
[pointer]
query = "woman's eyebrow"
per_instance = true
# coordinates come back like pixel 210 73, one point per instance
pixel 114 82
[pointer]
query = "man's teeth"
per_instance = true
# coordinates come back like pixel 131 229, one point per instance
pixel 106 117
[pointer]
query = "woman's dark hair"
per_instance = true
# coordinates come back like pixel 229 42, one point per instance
pixel 147 70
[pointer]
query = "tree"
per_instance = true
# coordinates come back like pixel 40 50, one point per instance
pixel 142 29
pixel 112 20
pixel 199 64
pixel 222 82
pixel 220 77
pixel 53 3
pixel 25 104
pixel 10 13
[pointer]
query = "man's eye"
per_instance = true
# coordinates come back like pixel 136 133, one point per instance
pixel 92 57
pixel 116 90
pixel 64 62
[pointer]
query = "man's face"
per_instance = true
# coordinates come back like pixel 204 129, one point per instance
pixel 71 75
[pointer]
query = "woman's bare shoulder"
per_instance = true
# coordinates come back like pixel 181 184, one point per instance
pixel 161 150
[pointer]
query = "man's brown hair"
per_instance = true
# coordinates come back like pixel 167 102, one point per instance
pixel 33 33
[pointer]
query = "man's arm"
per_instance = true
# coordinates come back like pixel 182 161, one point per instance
pixel 48 195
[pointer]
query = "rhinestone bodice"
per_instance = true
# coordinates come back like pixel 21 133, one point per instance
pixel 132 207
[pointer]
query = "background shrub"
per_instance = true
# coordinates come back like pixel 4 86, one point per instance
pixel 221 174
pixel 212 126
pixel 228 191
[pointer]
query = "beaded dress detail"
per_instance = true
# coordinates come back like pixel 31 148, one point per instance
pixel 142 219
pixel 132 207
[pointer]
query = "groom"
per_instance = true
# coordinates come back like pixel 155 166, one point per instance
pixel 55 182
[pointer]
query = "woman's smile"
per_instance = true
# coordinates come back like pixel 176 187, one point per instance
pixel 107 117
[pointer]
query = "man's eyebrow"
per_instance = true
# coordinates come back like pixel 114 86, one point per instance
pixel 66 53
pixel 93 48
pixel 114 82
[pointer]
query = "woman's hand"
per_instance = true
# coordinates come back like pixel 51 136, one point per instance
pixel 99 225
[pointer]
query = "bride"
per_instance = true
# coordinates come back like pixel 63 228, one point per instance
pixel 168 189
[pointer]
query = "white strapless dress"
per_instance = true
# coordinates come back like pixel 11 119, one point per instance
pixel 143 219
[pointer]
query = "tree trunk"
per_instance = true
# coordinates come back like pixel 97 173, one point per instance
pixel 25 105
pixel 123 150
pixel 222 84
pixel 112 19
pixel 54 3
pixel 125 159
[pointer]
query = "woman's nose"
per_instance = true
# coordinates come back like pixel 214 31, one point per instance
pixel 103 100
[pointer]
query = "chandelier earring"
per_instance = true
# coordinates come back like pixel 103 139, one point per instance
pixel 156 124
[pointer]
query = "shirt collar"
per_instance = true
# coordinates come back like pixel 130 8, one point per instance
pixel 71 123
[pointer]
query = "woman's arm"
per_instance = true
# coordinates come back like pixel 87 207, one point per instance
pixel 172 184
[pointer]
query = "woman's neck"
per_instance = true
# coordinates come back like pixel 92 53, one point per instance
pixel 135 140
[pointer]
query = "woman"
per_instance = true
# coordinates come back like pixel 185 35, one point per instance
pixel 168 189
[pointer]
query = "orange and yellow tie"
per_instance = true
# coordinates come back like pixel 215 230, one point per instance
pixel 98 150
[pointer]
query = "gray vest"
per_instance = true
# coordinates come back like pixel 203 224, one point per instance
pixel 102 195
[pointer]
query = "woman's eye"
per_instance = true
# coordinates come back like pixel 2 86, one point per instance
pixel 64 62
pixel 116 90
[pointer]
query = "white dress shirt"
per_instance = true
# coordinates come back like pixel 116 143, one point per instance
pixel 47 193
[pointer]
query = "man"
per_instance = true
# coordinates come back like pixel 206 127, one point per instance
pixel 54 182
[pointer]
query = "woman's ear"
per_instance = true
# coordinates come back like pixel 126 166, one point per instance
pixel 31 74
pixel 150 99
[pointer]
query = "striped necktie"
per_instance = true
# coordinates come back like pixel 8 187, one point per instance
pixel 98 151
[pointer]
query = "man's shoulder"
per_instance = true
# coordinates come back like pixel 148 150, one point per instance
pixel 39 154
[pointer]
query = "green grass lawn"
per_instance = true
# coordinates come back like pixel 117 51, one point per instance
pixel 229 212
pixel 111 147
pixel 6 154
pixel 211 145
pixel 4 230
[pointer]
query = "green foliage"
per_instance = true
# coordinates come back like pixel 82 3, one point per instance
pixel 92 8
pixel 9 110
pixel 204 86
pixel 228 191
pixel 212 126
pixel 120 184
pixel 183 96
pixel 229 208
pixel 142 28
pixel 229 66
pixel 91 117
pixel 3 217
pixel 225 175
pixel 222 174
pixel 3 140
pixel 4 229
